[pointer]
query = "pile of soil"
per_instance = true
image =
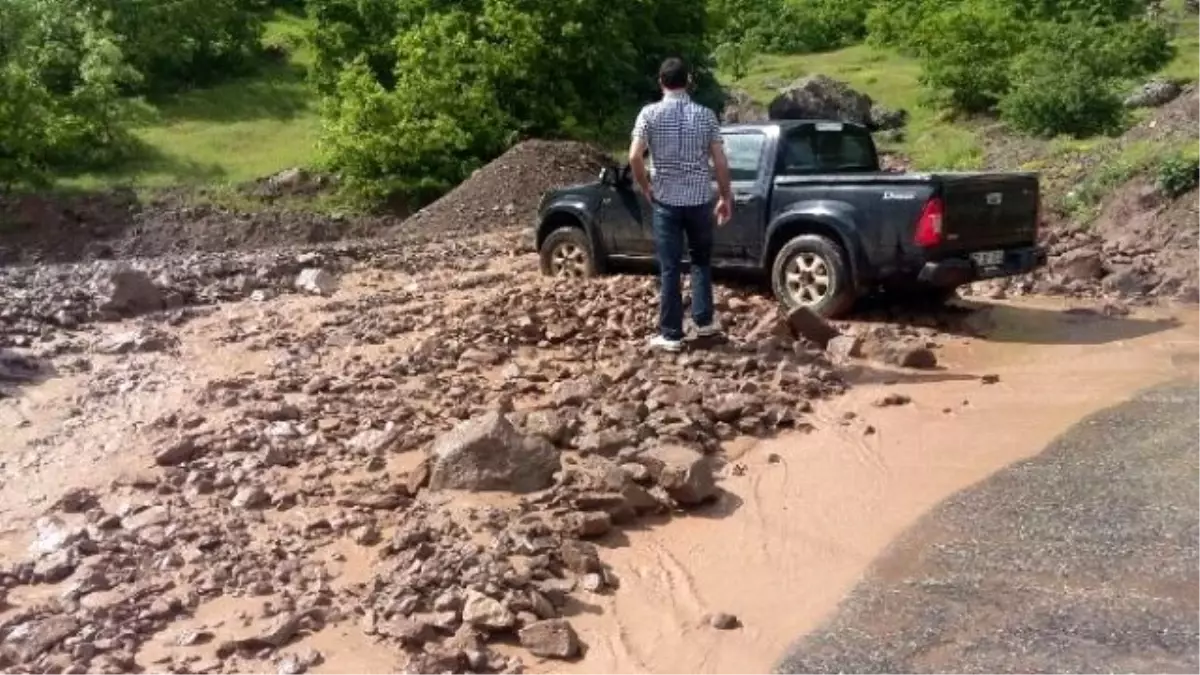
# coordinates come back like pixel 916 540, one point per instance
pixel 60 228
pixel 505 194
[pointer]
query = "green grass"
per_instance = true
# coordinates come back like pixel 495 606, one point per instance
pixel 229 133
pixel 888 78
pixel 1185 67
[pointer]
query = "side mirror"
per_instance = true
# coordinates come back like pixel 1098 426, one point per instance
pixel 607 176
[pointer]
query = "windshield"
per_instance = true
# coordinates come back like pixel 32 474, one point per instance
pixel 827 148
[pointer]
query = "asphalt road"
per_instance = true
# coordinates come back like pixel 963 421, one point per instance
pixel 1082 559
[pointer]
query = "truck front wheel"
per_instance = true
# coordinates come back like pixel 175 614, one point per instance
pixel 811 271
pixel 566 252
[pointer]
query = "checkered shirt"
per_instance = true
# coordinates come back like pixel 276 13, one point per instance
pixel 678 132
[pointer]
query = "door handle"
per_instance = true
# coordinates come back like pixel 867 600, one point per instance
pixel 742 198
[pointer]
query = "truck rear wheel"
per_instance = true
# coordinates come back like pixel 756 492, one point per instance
pixel 566 252
pixel 811 271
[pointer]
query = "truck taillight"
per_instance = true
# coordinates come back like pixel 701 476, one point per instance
pixel 929 225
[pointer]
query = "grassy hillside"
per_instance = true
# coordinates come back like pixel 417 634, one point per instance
pixel 252 127
pixel 236 131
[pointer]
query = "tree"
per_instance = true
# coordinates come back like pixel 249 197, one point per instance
pixel 433 88
pixel 61 72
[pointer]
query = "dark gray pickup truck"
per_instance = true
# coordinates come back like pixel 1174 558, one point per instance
pixel 814 211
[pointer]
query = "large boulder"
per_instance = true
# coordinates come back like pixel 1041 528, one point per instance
pixel 1156 92
pixel 685 474
pixel 488 453
pixel 821 97
pixel 741 108
pixel 129 291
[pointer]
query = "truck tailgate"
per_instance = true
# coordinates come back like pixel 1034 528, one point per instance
pixel 988 210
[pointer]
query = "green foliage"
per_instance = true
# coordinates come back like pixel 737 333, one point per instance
pixel 1067 83
pixel 736 58
pixel 178 44
pixel 1048 66
pixel 1052 96
pixel 789 26
pixel 61 70
pixel 1178 173
pixel 430 89
pixel 966 51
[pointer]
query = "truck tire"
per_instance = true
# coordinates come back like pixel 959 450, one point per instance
pixel 811 271
pixel 566 252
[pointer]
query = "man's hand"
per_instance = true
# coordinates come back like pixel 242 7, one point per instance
pixel 637 164
pixel 724 211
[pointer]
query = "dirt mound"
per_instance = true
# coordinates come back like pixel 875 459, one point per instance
pixel 505 193
pixel 115 224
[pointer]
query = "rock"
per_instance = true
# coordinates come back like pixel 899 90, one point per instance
pixel 483 612
pixel 740 108
pixel 550 638
pixel 34 638
pixel 845 347
pixel 588 523
pixel 884 118
pixel 251 497
pixel 547 424
pixel 55 567
pixel 18 367
pixel 149 517
pixel 410 632
pixel 77 500
pixel 1080 263
pixel 990 378
pixel 1158 91
pixel 892 399
pixel 684 473
pixel 807 324
pixel 821 98
pixel 140 340
pixel 487 453
pixel 905 355
pixel 316 281
pixel 573 392
pixel 723 621
pixel 607 442
pixel 579 556
pixel 129 291
pixel 174 453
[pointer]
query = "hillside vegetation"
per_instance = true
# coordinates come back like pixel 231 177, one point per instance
pixel 407 97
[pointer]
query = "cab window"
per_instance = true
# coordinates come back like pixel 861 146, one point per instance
pixel 744 152
pixel 835 148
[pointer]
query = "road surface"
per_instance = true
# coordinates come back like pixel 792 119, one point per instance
pixel 1082 559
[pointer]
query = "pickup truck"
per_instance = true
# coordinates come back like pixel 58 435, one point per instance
pixel 814 212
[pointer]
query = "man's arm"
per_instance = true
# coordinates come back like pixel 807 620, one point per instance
pixel 716 147
pixel 637 155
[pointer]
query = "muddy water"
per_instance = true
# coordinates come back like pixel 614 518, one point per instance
pixel 793 535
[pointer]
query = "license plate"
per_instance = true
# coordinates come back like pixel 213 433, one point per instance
pixel 988 258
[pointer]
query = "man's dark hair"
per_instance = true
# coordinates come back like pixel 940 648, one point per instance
pixel 673 74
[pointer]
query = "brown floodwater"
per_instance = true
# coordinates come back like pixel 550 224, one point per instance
pixel 792 536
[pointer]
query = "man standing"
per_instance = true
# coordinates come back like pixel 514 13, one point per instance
pixel 681 136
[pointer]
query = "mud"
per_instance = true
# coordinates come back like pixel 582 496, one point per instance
pixel 799 526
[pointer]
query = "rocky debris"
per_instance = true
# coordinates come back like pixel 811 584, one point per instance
pixel 892 399
pixel 128 291
pixel 723 621
pixel 685 474
pixel 551 638
pixel 483 612
pixel 16 367
pixel 843 347
pixel 900 353
pixel 808 325
pixel 488 453
pixel 1153 93
pixel 279 634
pixel 819 97
pixel 144 339
pixel 316 281
pixel 741 108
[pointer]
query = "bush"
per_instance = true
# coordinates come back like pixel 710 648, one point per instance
pixel 434 89
pixel 1178 174
pixel 966 52
pixel 1052 96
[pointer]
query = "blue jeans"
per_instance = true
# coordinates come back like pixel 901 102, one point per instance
pixel 671 224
